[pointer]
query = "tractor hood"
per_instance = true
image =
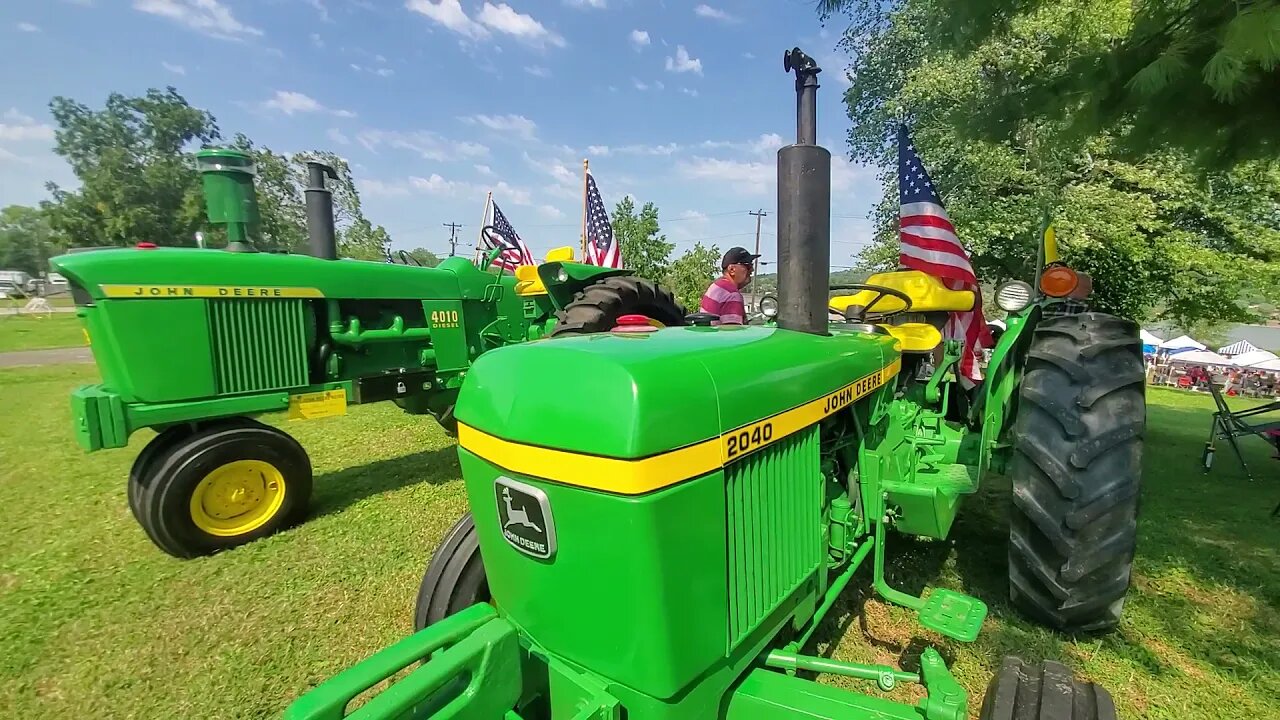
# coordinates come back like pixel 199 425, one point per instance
pixel 187 272
pixel 631 396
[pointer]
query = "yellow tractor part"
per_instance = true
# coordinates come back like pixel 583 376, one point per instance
pixel 237 498
pixel 527 280
pixel 927 294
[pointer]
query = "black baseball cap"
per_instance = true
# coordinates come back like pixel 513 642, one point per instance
pixel 737 256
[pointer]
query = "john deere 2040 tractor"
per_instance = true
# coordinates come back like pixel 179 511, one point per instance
pixel 196 342
pixel 667 549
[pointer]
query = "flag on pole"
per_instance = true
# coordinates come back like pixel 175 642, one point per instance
pixel 928 243
pixel 514 251
pixel 601 248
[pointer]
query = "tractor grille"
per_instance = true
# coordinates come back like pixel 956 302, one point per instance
pixel 774 502
pixel 258 345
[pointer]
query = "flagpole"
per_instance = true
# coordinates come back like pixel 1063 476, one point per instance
pixel 483 218
pixel 584 209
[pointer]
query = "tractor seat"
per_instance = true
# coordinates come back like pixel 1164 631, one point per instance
pixel 915 337
pixel 528 282
pixel 927 294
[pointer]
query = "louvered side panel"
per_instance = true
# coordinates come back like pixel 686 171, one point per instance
pixel 773 500
pixel 258 345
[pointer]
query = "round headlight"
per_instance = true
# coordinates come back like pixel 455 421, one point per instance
pixel 562 275
pixel 1013 296
pixel 769 306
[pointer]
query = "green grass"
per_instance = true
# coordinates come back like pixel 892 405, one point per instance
pixel 35 332
pixel 98 623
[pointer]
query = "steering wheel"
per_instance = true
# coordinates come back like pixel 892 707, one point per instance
pixel 406 257
pixel 864 313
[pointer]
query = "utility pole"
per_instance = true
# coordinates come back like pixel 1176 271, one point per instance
pixel 453 237
pixel 755 291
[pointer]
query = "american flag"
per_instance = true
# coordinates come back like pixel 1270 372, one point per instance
pixel 602 250
pixel 928 243
pixel 514 253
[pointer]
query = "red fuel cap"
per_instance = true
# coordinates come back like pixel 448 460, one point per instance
pixel 146 246
pixel 633 324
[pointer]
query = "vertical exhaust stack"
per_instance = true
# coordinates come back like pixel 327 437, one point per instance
pixel 804 210
pixel 229 197
pixel 320 233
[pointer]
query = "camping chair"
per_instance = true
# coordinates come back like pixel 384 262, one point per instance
pixel 1232 425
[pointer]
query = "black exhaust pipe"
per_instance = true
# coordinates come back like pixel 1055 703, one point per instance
pixel 320 232
pixel 804 210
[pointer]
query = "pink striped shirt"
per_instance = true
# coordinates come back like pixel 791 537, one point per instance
pixel 724 299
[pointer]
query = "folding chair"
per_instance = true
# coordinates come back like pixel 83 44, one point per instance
pixel 1232 425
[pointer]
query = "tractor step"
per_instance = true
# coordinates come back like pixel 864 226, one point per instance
pixel 953 614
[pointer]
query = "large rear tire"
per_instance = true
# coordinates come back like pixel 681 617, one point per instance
pixel 596 308
pixel 1075 472
pixel 1047 691
pixel 455 578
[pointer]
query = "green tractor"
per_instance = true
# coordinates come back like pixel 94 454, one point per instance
pixel 668 549
pixel 196 342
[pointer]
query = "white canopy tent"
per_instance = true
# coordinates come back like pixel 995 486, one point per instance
pixel 1238 348
pixel 1182 343
pixel 1199 357
pixel 1271 365
pixel 1149 339
pixel 1252 358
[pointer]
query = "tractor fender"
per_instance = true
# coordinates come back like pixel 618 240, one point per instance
pixel 576 277
pixel 1004 374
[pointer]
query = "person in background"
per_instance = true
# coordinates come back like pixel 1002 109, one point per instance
pixel 724 296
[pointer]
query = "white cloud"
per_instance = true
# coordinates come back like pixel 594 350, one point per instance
pixel 380 188
pixel 449 14
pixel 639 85
pixel 766 143
pixel 338 136
pixel 208 17
pixel 171 67
pixel 690 93
pixel 639 38
pixel 517 124
pixel 434 185
pixel 706 11
pixel 28 27
pixel 428 145
pixel 321 9
pixel 537 71
pixel 379 71
pixel 550 212
pixel 597 4
pixel 683 63
pixel 755 178
pixel 503 19
pixel 658 85
pixel 290 102
pixel 598 150
pixel 484 170
pixel 749 55
pixel 20 127
pixel 692 215
pixel 316 40
pixel 662 150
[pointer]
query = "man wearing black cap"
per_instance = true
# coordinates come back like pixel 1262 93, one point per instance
pixel 724 297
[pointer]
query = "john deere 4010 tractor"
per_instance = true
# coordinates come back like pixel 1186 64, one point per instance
pixel 668 548
pixel 194 343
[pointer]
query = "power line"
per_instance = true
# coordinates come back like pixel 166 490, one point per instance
pixel 453 237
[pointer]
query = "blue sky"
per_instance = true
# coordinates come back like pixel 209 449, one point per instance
pixel 436 102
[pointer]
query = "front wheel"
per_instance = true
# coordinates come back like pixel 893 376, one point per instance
pixel 455 578
pixel 1075 471
pixel 1045 691
pixel 221 486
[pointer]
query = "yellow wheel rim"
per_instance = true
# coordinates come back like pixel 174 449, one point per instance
pixel 237 498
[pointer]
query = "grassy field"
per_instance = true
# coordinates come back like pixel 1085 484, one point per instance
pixel 99 623
pixel 34 332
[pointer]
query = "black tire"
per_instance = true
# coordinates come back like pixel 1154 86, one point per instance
pixel 596 308
pixel 159 445
pixel 1046 691
pixel 164 493
pixel 455 578
pixel 1075 471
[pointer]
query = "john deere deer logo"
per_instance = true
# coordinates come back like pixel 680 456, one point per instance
pixel 524 517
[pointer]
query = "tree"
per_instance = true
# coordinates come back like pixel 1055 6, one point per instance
pixel 1198 76
pixel 136 176
pixel 645 252
pixel 691 273
pixel 425 257
pixel 1157 233
pixel 25 240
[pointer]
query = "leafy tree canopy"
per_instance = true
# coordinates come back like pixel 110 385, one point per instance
pixel 645 251
pixel 691 273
